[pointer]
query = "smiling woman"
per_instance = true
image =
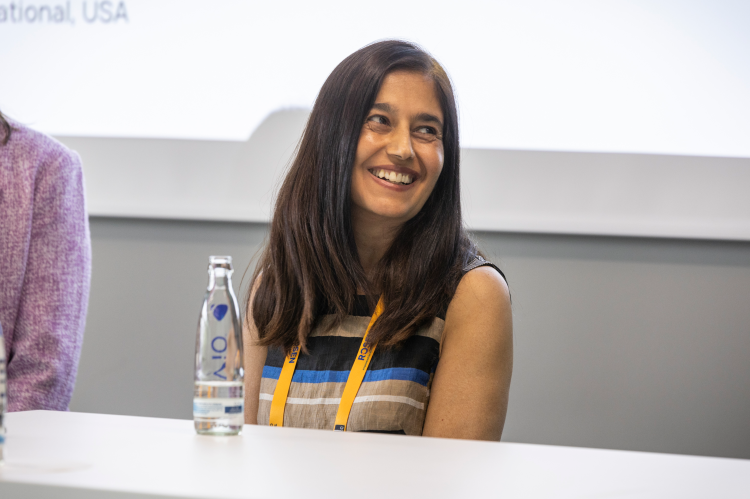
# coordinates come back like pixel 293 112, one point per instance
pixel 371 309
pixel 400 150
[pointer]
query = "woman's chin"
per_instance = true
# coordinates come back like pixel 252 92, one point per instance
pixel 387 214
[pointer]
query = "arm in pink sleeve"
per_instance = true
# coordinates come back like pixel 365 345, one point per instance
pixel 52 310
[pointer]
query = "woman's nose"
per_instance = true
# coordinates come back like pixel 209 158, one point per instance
pixel 400 145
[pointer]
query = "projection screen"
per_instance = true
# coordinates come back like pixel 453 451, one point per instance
pixel 586 117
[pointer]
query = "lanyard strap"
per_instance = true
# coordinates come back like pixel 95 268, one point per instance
pixel 282 388
pixel 353 382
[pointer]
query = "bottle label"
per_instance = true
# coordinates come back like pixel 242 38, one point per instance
pixel 218 408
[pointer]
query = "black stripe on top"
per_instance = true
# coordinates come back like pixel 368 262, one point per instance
pixel 337 353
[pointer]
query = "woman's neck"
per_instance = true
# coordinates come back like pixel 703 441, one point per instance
pixel 373 235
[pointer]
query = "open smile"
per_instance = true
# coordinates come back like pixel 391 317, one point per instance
pixel 393 177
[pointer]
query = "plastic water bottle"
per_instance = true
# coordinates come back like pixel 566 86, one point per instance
pixel 218 401
pixel 3 394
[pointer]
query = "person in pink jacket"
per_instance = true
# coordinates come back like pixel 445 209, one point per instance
pixel 45 266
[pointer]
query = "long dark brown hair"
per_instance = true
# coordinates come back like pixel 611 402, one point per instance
pixel 5 130
pixel 311 258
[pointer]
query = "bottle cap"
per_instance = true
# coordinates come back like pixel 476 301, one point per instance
pixel 220 261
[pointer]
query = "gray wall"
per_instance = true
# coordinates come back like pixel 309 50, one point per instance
pixel 622 343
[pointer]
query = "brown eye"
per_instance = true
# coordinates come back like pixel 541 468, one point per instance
pixel 427 133
pixel 378 120
pixel 428 130
pixel 378 123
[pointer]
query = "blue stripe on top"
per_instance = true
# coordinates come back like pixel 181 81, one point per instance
pixel 393 373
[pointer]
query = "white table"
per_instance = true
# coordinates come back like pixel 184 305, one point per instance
pixel 61 455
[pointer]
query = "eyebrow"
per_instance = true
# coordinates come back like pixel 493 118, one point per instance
pixel 385 107
pixel 429 118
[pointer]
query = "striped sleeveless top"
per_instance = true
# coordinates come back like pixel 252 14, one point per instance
pixel 394 394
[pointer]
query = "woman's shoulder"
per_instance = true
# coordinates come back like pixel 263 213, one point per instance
pixel 478 261
pixel 479 316
pixel 482 283
pixel 32 149
pixel 476 275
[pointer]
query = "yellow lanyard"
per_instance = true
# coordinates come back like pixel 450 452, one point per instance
pixel 353 382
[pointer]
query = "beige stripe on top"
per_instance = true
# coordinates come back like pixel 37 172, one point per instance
pixel 355 327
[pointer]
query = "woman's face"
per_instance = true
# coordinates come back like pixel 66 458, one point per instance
pixel 400 150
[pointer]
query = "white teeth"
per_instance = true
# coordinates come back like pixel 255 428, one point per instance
pixel 391 176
